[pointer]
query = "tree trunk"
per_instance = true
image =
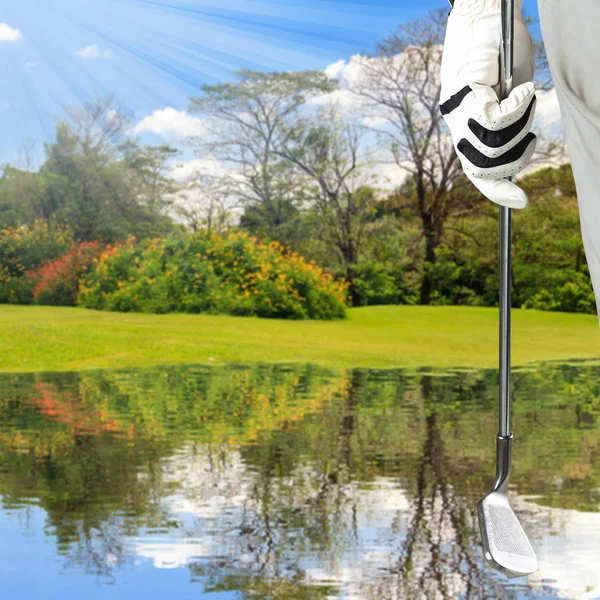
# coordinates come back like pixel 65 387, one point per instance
pixel 431 245
pixel 349 257
pixel 350 278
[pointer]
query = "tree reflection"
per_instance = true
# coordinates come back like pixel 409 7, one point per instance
pixel 297 481
pixel 441 555
pixel 99 552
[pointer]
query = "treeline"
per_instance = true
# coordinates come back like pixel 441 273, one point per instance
pixel 295 160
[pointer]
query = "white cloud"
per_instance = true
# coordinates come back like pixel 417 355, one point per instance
pixel 171 554
pixel 349 74
pixel 570 559
pixel 341 97
pixel 208 165
pixel 31 64
pixel 9 34
pixel 171 121
pixel 353 72
pixel 93 51
pixel 389 175
pixel 334 70
pixel 374 121
pixel 359 71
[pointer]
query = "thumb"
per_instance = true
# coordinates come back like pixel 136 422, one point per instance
pixel 519 97
pixel 496 116
pixel 502 192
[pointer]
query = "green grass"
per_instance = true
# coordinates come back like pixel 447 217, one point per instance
pixel 61 339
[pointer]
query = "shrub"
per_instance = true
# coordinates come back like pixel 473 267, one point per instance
pixel 376 284
pixel 232 274
pixel 25 249
pixel 57 282
pixel 455 281
pixel 576 295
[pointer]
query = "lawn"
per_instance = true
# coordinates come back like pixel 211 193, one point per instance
pixel 59 339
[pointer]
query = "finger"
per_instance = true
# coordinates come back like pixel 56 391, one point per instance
pixel 517 99
pixel 495 142
pixel 502 192
pixel 496 116
pixel 477 164
pixel 524 60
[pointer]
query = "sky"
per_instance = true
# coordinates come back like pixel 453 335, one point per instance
pixel 156 54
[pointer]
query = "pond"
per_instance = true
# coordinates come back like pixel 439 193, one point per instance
pixel 291 482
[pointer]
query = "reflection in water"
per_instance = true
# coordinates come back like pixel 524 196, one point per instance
pixel 291 482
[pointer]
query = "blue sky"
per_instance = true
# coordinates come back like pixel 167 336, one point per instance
pixel 155 54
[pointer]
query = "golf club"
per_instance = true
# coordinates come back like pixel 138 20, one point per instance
pixel 505 544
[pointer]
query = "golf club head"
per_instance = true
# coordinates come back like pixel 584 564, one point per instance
pixel 505 544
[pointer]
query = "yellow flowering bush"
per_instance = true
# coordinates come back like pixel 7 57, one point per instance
pixel 230 274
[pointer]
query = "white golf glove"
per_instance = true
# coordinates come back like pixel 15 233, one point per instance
pixel 493 140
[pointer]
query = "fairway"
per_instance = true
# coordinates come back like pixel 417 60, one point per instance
pixel 59 339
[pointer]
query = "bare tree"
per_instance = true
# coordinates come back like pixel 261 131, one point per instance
pixel 330 155
pixel 400 85
pixel 206 202
pixel 98 124
pixel 248 119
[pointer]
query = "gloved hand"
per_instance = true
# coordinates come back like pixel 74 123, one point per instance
pixel 492 139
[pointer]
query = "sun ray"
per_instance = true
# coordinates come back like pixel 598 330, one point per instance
pixel 157 53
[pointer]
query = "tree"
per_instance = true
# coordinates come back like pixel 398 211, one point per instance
pixel 280 220
pixel 400 85
pixel 549 267
pixel 206 201
pixel 151 166
pixel 104 188
pixel 22 198
pixel 328 154
pixel 247 120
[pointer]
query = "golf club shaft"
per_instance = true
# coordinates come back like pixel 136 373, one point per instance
pixel 506 76
pixel 504 427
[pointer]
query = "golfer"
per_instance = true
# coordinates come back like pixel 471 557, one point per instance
pixel 493 140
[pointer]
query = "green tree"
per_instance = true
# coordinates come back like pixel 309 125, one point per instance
pixel 151 166
pixel 549 266
pixel 103 187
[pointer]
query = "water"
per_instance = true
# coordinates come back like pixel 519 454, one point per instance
pixel 291 482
